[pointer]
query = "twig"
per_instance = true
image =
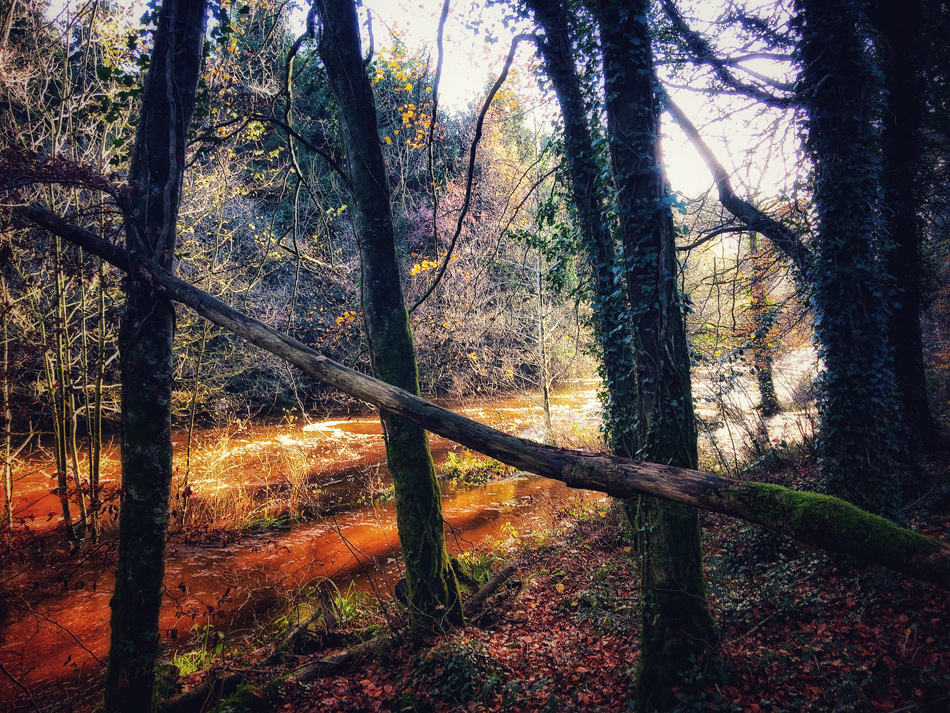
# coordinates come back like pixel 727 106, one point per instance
pixel 20 685
pixel 287 643
pixel 335 662
pixel 195 699
pixel 470 178
pixel 75 639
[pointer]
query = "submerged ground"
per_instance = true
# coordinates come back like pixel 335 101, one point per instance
pixel 800 631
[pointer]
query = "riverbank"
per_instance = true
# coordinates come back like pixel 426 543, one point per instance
pixel 273 509
pixel 801 631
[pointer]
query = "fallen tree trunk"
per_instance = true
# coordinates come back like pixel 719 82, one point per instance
pixel 818 520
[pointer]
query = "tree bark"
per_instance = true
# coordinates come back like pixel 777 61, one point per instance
pixel 151 212
pixel 862 440
pixel 678 629
pixel 612 329
pixel 818 520
pixel 5 376
pixel 6 24
pixel 433 589
pixel 899 26
pixel 762 311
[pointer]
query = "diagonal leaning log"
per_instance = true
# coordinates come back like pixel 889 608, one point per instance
pixel 817 520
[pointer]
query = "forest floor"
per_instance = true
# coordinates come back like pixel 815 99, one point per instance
pixel 800 631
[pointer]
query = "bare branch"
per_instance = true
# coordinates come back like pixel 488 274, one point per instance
pixel 783 237
pixel 325 154
pixel 713 234
pixel 440 54
pixel 703 52
pixel 469 180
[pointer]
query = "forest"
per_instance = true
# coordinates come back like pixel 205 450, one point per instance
pixel 485 355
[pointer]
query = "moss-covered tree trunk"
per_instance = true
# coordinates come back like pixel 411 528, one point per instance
pixel 678 629
pixel 433 589
pixel 591 213
pixel 862 438
pixel 155 178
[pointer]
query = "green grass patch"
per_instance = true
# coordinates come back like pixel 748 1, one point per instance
pixel 470 468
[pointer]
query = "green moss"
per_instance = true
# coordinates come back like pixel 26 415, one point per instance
pixel 839 526
pixel 433 587
pixel 463 573
pixel 470 469
pixel 244 700
pixel 268 524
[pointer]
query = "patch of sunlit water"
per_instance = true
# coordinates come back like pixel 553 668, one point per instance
pixel 729 421
pixel 232 585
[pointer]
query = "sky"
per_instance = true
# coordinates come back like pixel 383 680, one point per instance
pixel 477 40
pixel 471 61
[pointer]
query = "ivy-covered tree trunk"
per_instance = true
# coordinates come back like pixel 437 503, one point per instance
pixel 155 177
pixel 862 437
pixel 678 629
pixel 899 27
pixel 762 311
pixel 590 202
pixel 433 589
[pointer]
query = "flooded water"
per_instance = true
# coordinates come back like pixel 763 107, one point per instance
pixel 56 617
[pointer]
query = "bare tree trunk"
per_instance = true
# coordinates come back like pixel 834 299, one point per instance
pixel 7 412
pixel 6 24
pixel 763 318
pixel 55 384
pixel 433 589
pixel 158 164
pixel 95 419
pixel 543 356
pixel 184 484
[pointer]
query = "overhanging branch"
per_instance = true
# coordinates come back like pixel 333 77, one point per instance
pixel 781 236
pixel 703 53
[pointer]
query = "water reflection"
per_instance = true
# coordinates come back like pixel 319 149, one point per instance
pixel 63 635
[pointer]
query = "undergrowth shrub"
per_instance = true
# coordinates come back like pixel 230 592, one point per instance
pixel 210 648
pixel 459 671
pixel 472 469
pixel 479 565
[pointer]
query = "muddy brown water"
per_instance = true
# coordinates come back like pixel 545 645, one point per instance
pixel 56 618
